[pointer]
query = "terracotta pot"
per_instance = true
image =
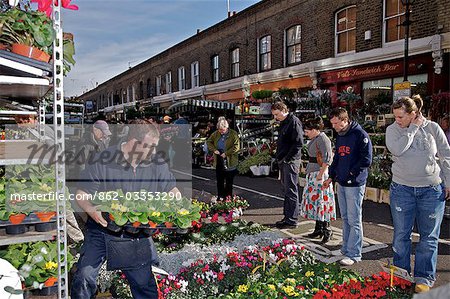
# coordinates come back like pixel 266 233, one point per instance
pixel 111 217
pixel 3 47
pixel 50 282
pixel 168 224
pixel 17 218
pixel 30 52
pixel 136 224
pixel 152 224
pixel 45 216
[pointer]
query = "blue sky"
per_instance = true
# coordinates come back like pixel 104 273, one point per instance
pixel 111 34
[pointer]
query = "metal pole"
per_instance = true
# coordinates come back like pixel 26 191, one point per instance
pixel 406 24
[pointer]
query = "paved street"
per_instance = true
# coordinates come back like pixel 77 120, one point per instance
pixel 266 205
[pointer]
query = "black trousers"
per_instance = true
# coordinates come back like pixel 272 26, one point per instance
pixel 289 187
pixel 225 180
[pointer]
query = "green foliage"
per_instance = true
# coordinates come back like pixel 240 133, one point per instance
pixel 380 172
pixel 262 94
pixel 262 158
pixel 32 28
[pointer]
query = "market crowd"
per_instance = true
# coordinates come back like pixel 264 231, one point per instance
pixel 420 185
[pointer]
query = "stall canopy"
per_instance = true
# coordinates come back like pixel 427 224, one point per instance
pixel 191 104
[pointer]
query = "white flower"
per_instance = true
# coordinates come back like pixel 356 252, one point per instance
pixel 26 268
pixel 214 199
pixel 38 258
pixel 44 250
pixel 273 256
pixel 13 2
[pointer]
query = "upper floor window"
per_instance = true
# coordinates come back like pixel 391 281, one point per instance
pixel 141 89
pixel 181 78
pixel 215 68
pixel 294 44
pixel 195 74
pixel 235 63
pixel 158 85
pixel 265 59
pixel 394 16
pixel 149 89
pixel 346 30
pixel 168 82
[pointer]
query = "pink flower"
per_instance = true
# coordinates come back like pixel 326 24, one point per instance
pixel 46 5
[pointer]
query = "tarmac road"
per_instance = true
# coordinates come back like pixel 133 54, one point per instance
pixel 266 207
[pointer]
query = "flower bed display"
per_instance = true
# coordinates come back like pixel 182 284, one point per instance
pixel 37 262
pixel 229 209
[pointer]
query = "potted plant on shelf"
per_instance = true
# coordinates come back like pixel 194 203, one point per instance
pixel 29 33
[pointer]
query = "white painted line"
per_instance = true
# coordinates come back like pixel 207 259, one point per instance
pixel 414 234
pixel 235 186
pixel 190 174
pixel 260 193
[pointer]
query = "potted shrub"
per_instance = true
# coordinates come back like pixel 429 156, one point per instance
pixel 29 33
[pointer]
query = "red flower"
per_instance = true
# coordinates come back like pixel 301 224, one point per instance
pixel 220 276
pixel 46 5
pixel 215 218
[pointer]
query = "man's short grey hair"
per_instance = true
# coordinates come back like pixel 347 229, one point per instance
pixel 222 123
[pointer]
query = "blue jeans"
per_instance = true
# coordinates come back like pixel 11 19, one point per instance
pixel 350 201
pixel 289 188
pixel 425 207
pixel 93 255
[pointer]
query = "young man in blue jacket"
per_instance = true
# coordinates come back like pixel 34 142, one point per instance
pixel 352 158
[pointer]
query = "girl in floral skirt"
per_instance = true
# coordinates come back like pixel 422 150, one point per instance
pixel 318 202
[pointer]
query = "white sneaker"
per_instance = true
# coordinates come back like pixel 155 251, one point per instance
pixel 346 261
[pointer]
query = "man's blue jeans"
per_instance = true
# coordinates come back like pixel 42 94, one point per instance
pixel 425 207
pixel 93 255
pixel 350 205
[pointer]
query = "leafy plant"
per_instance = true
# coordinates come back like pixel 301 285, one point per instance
pixel 262 158
pixel 262 94
pixel 32 28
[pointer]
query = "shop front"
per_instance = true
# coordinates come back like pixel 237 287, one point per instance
pixel 375 83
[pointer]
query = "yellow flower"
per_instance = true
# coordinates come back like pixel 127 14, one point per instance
pixel 50 265
pixel 114 206
pixel 325 270
pixel 156 214
pixel 183 212
pixel 290 280
pixel 309 273
pixel 123 209
pixel 45 187
pixel 315 290
pixel 243 288
pixel 271 287
pixel 289 290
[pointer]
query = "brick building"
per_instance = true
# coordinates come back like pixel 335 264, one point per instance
pixel 294 44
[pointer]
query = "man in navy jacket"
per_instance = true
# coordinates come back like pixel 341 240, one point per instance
pixel 352 158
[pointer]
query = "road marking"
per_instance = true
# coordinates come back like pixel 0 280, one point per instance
pixel 235 186
pixel 190 174
pixel 414 234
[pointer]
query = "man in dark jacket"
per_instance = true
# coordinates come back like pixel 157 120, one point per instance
pixel 352 158
pixel 289 145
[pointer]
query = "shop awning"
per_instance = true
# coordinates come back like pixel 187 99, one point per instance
pixel 186 105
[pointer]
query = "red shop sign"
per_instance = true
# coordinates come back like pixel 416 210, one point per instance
pixel 387 69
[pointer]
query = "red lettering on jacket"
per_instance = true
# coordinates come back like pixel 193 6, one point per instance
pixel 344 150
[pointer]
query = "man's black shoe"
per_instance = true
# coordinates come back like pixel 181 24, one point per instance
pixel 283 225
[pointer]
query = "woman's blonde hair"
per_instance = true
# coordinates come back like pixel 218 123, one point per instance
pixel 408 104
pixel 222 123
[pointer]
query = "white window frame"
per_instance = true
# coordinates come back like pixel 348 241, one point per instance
pixel 168 79
pixel 385 19
pixel 215 68
pixel 267 53
pixel 181 78
pixel 287 47
pixel 336 33
pixel 158 85
pixel 195 74
pixel 234 63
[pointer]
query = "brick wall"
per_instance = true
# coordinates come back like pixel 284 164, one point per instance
pixel 273 17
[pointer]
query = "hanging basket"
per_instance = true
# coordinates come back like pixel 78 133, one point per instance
pixel 30 52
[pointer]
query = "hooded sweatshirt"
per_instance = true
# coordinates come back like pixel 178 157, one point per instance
pixel 420 154
pixel 352 158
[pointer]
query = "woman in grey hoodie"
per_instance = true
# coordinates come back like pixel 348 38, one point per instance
pixel 420 184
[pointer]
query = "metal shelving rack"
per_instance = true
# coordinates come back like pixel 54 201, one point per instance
pixel 32 87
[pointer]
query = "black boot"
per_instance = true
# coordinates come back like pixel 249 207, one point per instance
pixel 317 233
pixel 327 232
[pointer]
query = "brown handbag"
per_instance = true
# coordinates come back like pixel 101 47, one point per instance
pixel 319 156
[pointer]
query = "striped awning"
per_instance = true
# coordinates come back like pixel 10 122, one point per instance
pixel 190 104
